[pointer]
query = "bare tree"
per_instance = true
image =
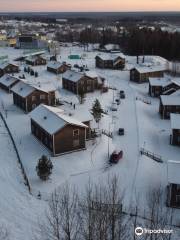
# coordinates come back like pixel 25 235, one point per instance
pixel 102 212
pixel 61 221
pixel 160 215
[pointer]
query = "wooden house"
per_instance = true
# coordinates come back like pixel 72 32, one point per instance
pixel 57 67
pixel 8 68
pixel 172 86
pixel 157 85
pixel 142 73
pixel 173 188
pixel 35 60
pixel 28 96
pixel 169 104
pixel 110 61
pixel 58 132
pixel 7 82
pixel 175 128
pixel 77 82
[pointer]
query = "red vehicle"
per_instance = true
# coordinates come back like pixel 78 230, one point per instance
pixel 116 156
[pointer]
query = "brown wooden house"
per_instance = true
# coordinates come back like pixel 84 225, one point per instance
pixel 173 188
pixel 7 82
pixel 175 128
pixel 172 86
pixel 57 67
pixel 28 96
pixel 110 61
pixel 169 104
pixel 8 68
pixel 77 82
pixel 157 85
pixel 36 60
pixel 58 132
pixel 142 74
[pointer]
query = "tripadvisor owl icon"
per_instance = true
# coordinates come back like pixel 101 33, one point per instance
pixel 139 231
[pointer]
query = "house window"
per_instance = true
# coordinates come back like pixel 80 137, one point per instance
pixel 42 97
pixel 33 98
pixel 76 143
pixel 76 133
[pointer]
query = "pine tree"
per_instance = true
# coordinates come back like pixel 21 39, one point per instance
pixel 97 111
pixel 44 168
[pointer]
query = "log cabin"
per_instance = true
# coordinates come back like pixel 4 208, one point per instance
pixel 57 67
pixel 142 73
pixel 36 60
pixel 172 86
pixel 108 61
pixel 175 129
pixel 8 68
pixel 27 96
pixel 7 82
pixel 77 82
pixel 58 132
pixel 169 104
pixel 173 188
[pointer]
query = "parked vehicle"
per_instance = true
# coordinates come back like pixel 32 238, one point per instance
pixel 116 156
pixel 122 95
pixel 114 107
pixel 118 101
pixel 121 131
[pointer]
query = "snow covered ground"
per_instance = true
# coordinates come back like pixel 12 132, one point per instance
pixel 143 128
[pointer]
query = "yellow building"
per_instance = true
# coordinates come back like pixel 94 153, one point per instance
pixel 12 42
pixel 3 37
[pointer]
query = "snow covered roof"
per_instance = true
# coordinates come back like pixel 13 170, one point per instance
pixel 176 81
pixel 159 81
pixel 175 121
pixel 7 80
pixel 112 57
pixel 34 57
pixel 6 64
pixel 146 69
pixel 91 74
pixel 72 75
pixel 170 100
pixel 52 119
pixel 24 89
pixel 54 64
pixel 173 172
pixel 176 93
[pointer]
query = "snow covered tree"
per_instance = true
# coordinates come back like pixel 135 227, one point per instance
pixel 44 168
pixel 97 111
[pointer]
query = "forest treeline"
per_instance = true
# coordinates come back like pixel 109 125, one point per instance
pixel 135 41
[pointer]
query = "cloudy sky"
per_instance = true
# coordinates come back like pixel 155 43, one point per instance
pixel 89 5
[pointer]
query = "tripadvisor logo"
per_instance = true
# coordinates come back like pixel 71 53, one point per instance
pixel 139 231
